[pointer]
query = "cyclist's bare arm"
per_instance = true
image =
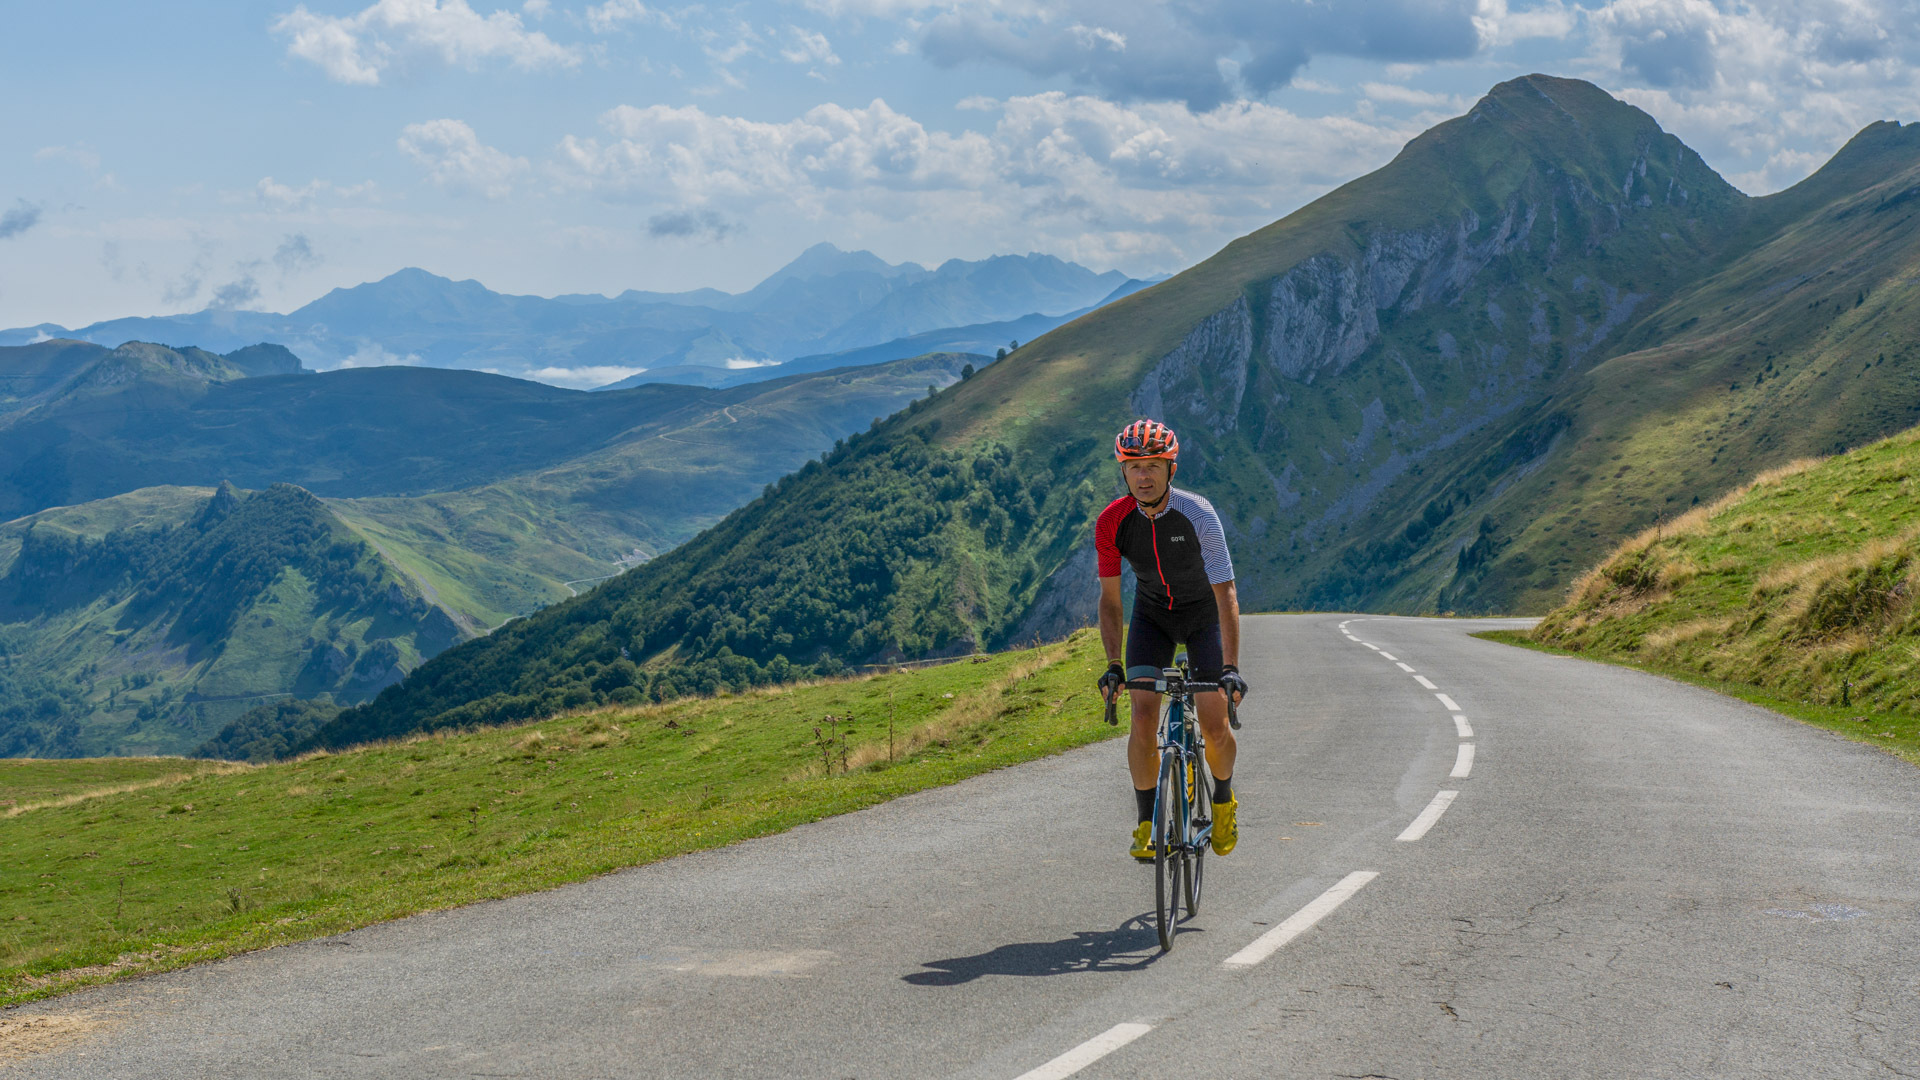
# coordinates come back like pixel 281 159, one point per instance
pixel 1229 600
pixel 1110 612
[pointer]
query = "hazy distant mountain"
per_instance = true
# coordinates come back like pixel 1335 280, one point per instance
pixel 982 338
pixel 825 301
pixel 47 372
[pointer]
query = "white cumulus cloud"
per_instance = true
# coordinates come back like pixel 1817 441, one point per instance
pixel 1766 89
pixel 457 160
pixel 582 378
pixel 1088 178
pixel 357 48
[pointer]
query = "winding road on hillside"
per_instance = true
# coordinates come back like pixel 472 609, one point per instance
pixel 1458 859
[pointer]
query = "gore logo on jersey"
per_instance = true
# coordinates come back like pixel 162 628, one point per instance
pixel 1176 539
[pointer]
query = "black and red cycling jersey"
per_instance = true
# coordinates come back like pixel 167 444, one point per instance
pixel 1177 557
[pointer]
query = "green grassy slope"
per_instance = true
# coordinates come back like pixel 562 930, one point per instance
pixel 1800 585
pixel 123 883
pixel 1443 385
pixel 145 623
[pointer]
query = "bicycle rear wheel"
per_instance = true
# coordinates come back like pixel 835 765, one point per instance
pixel 1167 827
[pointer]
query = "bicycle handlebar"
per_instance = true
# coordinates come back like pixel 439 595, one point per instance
pixel 1163 685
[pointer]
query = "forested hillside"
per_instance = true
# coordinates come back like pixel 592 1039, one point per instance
pixel 147 626
pixel 607 480
pixel 1449 384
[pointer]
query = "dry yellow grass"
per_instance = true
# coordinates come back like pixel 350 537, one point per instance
pixel 971 708
pixel 222 769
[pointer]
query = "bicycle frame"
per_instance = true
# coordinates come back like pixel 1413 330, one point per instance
pixel 1183 750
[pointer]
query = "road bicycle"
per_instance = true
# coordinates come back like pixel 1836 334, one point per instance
pixel 1183 799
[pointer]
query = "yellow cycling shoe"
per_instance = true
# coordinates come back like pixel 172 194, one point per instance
pixel 1143 842
pixel 1226 831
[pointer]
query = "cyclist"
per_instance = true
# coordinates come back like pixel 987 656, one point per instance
pixel 1184 594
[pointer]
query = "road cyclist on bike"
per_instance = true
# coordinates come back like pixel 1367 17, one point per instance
pixel 1183 594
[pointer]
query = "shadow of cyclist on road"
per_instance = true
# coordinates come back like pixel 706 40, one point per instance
pixel 1130 948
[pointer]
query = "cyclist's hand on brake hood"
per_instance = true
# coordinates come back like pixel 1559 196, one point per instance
pixel 1111 682
pixel 1233 683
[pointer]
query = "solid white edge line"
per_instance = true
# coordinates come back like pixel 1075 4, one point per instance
pixel 1428 816
pixel 1463 761
pixel 1301 921
pixel 1424 681
pixel 1402 665
pixel 1087 1052
pixel 1448 702
pixel 1460 724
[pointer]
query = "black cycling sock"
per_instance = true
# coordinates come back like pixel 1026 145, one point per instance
pixel 1223 789
pixel 1145 801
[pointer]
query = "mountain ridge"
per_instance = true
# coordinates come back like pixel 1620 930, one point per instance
pixel 1401 396
pixel 826 300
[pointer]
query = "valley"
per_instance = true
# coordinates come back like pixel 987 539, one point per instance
pixel 462 499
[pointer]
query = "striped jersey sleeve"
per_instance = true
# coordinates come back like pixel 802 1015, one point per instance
pixel 1106 533
pixel 1213 538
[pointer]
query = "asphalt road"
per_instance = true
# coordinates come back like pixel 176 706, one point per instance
pixel 1635 879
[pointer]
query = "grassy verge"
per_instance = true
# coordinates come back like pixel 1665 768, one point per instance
pixel 1896 733
pixel 117 869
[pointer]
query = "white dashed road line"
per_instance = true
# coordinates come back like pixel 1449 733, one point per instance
pixel 1388 656
pixel 1372 646
pixel 1300 921
pixel 1448 702
pixel 1424 681
pixel 1460 724
pixel 1402 665
pixel 1428 816
pixel 1087 1052
pixel 1462 762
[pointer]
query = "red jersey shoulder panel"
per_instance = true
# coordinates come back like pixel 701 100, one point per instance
pixel 1106 532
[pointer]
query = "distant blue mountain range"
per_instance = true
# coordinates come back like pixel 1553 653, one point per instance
pixel 827 308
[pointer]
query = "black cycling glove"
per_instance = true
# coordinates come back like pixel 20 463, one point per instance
pixel 1232 682
pixel 1111 682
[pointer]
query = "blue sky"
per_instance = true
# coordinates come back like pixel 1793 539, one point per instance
pixel 163 158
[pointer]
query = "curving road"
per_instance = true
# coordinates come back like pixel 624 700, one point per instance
pixel 1631 878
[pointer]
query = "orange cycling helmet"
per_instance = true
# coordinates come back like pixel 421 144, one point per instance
pixel 1145 439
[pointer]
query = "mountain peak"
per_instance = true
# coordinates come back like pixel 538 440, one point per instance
pixel 827 260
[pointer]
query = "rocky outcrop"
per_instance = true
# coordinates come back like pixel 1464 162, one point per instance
pixel 1068 600
pixel 1205 376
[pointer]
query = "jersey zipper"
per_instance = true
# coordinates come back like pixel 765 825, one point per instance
pixel 1153 534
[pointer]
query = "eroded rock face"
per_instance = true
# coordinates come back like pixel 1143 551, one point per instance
pixel 1205 376
pixel 1333 384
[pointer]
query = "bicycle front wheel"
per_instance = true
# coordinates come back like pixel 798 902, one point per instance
pixel 1200 804
pixel 1168 831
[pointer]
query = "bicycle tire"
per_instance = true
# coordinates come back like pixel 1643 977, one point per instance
pixel 1196 869
pixel 1166 864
